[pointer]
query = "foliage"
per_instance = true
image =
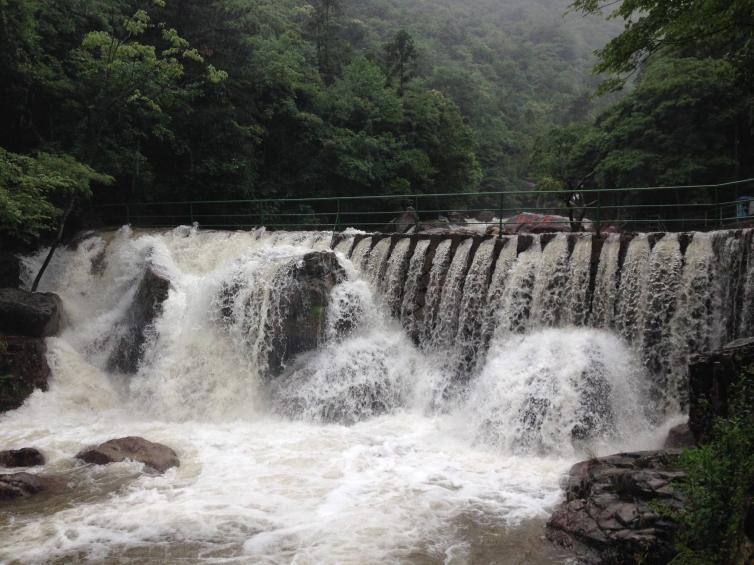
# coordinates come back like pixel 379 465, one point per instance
pixel 717 28
pixel 183 100
pixel 683 124
pixel 31 187
pixel 720 476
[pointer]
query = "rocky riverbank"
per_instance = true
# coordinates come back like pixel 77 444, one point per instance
pixel 617 510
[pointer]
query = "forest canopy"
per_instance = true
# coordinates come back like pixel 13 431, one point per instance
pixel 183 100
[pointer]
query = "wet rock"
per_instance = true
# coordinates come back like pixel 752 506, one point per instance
pixel 680 436
pixel 23 368
pixel 302 326
pixel 10 269
pixel 711 376
pixel 402 223
pixel 610 512
pixel 487 216
pixel 24 457
pixel 22 485
pixel 528 222
pixel 132 331
pixel 29 314
pixel 155 455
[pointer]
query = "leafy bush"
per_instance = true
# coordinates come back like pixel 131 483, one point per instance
pixel 31 188
pixel 717 489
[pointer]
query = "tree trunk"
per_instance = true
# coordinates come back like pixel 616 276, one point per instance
pixel 55 244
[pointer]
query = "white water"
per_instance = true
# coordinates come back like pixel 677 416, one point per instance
pixel 354 455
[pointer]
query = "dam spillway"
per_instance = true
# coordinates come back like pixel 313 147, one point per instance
pixel 406 398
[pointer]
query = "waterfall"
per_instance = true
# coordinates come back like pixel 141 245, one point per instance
pixel 469 340
pixel 391 285
pixel 381 400
pixel 577 291
pixel 374 264
pixel 411 303
pixel 746 322
pixel 443 334
pixel 631 299
pixel 606 284
pixel 661 289
pixel 440 264
pixel 498 284
pixel 697 324
pixel 516 300
pixel 360 252
pixel 550 284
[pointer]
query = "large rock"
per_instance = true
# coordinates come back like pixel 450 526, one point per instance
pixel 132 331
pixel 30 314
pixel 679 437
pixel 610 512
pixel 155 455
pixel 24 457
pixel 402 223
pixel 301 327
pixel 23 368
pixel 10 269
pixel 22 485
pixel 711 376
pixel 293 305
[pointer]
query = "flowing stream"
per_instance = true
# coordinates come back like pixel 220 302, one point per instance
pixel 435 430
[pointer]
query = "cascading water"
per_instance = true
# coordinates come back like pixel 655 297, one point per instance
pixel 443 334
pixel 550 284
pixel 631 300
pixel 433 297
pixel 516 300
pixel 606 284
pixel 391 284
pixel 577 291
pixel 374 264
pixel 410 301
pixel 469 339
pixel 351 448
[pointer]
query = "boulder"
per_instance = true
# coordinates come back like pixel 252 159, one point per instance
pixel 680 437
pixel 486 216
pixel 22 485
pixel 402 223
pixel 610 511
pixel 10 269
pixel 131 332
pixel 23 368
pixel 711 376
pixel 29 314
pixel 24 457
pixel 155 455
pixel 301 326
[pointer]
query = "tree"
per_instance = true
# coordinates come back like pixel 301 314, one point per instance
pixel 400 59
pixel 33 188
pixel 325 16
pixel 718 28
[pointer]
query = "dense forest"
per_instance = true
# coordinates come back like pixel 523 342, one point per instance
pixel 154 100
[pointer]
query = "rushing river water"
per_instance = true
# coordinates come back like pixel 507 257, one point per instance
pixel 454 470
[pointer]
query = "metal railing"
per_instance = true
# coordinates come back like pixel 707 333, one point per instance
pixel 659 208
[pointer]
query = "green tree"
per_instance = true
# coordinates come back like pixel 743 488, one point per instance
pixel 719 28
pixel 35 190
pixel 400 59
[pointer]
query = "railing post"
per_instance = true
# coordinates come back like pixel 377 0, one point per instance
pixel 191 213
pixel 416 213
pixel 599 212
pixel 128 214
pixel 500 215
